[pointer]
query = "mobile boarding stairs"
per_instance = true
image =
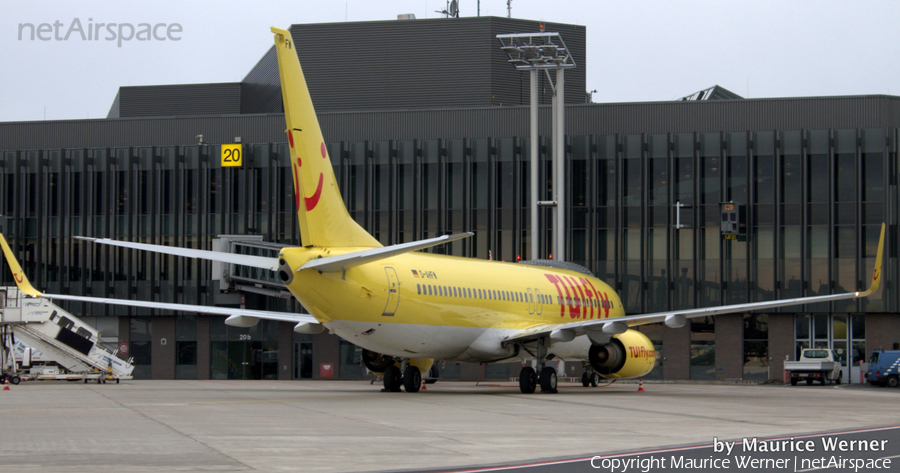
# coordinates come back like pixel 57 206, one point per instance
pixel 41 341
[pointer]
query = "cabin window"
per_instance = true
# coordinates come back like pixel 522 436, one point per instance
pixel 418 289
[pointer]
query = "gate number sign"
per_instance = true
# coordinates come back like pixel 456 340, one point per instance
pixel 232 155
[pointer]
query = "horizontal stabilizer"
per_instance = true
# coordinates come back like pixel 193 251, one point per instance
pixel 233 258
pixel 356 258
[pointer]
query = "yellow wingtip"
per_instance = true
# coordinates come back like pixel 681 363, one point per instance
pixel 876 274
pixel 19 275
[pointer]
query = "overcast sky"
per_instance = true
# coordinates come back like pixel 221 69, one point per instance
pixel 637 50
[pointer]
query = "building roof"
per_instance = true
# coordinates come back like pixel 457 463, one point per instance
pixel 716 92
pixel 377 65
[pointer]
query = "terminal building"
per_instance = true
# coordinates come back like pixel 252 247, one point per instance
pixel 427 125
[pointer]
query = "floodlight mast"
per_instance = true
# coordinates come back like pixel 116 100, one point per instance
pixel 533 52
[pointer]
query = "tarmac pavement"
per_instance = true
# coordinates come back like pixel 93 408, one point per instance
pixel 352 426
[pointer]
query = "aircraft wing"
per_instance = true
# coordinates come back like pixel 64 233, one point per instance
pixel 244 260
pixel 237 317
pixel 233 312
pixel 678 318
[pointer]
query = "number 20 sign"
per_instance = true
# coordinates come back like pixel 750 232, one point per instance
pixel 232 155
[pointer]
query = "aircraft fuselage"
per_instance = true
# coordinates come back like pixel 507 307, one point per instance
pixel 437 306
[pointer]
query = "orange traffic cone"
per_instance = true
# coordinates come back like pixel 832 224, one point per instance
pixel 6 384
pixel 423 388
pixel 640 385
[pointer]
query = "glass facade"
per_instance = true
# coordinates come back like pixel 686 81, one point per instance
pixel 643 211
pixel 643 215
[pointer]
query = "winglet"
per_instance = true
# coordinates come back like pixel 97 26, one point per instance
pixel 19 275
pixel 876 275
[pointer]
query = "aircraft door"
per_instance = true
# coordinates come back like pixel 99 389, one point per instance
pixel 393 299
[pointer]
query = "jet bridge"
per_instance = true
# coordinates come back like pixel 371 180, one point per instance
pixel 238 278
pixel 37 334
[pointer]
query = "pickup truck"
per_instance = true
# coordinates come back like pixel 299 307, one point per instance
pixel 884 368
pixel 816 364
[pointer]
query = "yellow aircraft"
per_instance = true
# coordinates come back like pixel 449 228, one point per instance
pixel 406 308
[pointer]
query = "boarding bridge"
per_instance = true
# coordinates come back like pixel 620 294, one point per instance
pixel 36 331
pixel 238 278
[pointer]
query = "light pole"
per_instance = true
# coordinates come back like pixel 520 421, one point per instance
pixel 533 52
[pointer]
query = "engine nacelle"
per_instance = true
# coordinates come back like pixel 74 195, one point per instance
pixel 627 355
pixel 377 363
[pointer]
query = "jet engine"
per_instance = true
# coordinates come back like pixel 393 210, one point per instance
pixel 377 363
pixel 627 355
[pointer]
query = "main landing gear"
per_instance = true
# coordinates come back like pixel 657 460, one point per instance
pixel 411 379
pixel 528 377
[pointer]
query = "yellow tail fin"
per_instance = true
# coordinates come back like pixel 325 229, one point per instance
pixel 324 221
pixel 19 275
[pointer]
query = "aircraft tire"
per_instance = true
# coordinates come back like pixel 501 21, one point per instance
pixel 392 379
pixel 527 380
pixel 595 380
pixel 412 379
pixel 548 380
pixel 585 379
